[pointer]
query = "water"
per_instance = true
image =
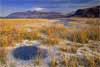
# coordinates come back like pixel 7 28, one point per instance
pixel 25 52
pixel 28 52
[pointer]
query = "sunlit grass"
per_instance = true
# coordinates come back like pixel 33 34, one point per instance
pixel 3 54
pixel 17 30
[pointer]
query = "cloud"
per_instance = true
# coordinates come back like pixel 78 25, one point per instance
pixel 38 9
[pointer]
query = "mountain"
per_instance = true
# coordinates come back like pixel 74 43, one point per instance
pixel 85 12
pixel 88 12
pixel 36 14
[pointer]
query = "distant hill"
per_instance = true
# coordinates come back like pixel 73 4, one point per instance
pixel 36 14
pixel 88 12
pixel 85 12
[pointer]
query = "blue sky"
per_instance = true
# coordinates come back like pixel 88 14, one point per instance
pixel 64 6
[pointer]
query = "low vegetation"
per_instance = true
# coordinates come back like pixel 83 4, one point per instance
pixel 73 40
pixel 3 54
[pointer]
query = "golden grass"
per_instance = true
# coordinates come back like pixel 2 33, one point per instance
pixel 3 54
pixel 23 20
pixel 15 30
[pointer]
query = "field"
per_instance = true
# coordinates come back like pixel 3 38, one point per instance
pixel 74 43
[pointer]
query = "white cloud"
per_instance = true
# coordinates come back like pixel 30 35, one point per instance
pixel 38 9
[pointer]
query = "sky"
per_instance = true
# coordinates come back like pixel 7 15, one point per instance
pixel 64 6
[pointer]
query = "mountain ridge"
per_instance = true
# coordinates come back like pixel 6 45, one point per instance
pixel 85 12
pixel 88 12
pixel 35 14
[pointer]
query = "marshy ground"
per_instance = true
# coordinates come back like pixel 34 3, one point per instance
pixel 72 42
